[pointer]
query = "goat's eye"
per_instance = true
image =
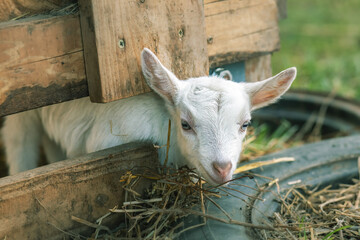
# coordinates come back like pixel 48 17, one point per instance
pixel 244 126
pixel 185 125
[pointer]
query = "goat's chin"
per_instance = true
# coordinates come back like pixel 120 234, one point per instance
pixel 215 182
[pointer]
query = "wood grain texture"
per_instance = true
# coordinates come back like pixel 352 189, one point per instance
pixel 238 30
pixel 33 202
pixel 258 68
pixel 174 30
pixel 10 9
pixel 41 63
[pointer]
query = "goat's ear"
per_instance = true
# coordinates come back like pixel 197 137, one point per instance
pixel 160 79
pixel 268 91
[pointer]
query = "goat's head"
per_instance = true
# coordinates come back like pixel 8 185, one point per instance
pixel 211 114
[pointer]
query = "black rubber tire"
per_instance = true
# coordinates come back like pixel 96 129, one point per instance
pixel 325 162
pixel 341 116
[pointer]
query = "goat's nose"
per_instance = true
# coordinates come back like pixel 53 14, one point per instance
pixel 222 168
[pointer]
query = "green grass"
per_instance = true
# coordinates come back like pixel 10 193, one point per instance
pixel 329 236
pixel 322 39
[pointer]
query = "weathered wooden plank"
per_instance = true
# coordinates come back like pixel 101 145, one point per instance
pixel 37 39
pixel 42 83
pixel 258 68
pixel 36 69
pixel 114 33
pixel 238 30
pixel 10 9
pixel 33 202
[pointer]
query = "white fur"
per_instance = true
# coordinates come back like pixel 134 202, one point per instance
pixel 215 108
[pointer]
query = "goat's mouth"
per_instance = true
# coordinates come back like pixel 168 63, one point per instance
pixel 209 178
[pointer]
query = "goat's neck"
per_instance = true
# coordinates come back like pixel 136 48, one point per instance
pixel 155 125
pixel 160 132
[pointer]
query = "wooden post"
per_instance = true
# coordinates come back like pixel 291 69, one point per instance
pixel 115 32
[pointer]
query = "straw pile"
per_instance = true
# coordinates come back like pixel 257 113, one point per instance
pixel 328 213
pixel 159 214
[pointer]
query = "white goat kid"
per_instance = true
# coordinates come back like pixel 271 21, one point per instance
pixel 209 118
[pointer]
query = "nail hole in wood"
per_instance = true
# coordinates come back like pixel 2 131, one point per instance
pixel 121 43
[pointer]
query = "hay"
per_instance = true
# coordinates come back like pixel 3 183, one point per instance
pixel 328 213
pixel 176 194
pixel 262 140
pixel 69 9
pixel 160 212
pixel 254 165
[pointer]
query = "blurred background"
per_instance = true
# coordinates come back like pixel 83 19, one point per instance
pixel 322 39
